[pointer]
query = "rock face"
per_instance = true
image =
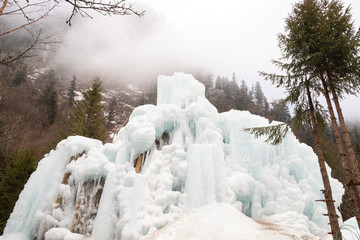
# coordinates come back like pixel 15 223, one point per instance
pixel 169 160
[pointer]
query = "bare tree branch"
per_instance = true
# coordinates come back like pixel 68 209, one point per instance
pixel 117 7
pixel 30 21
pixel 24 8
pixel 3 6
pixel 33 13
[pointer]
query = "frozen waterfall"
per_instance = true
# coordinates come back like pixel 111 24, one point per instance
pixel 168 161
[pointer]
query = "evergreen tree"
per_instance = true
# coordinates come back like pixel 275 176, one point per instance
pixel 234 79
pixel 48 97
pixel 20 77
pixel 302 80
pixel 219 83
pixel 321 42
pixel 88 118
pixel 230 88
pixel 205 78
pixel 280 111
pixel 243 98
pixel 259 97
pixel 112 106
pixel 72 90
pixel 355 138
pixel 17 172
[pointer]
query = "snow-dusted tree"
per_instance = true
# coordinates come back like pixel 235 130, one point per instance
pixel 72 90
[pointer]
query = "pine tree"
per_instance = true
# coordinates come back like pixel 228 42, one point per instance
pixel 205 78
pixel 230 88
pixel 300 51
pixel 243 99
pixel 20 77
pixel 112 106
pixel 48 97
pixel 280 111
pixel 72 91
pixel 258 95
pixel 17 172
pixel 333 217
pixel 88 118
pixel 321 42
pixel 219 83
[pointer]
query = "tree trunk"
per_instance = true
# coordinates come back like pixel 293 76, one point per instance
pixel 351 188
pixel 354 164
pixel 333 217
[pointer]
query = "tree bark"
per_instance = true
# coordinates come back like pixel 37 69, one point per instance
pixel 333 217
pixel 354 164
pixel 351 188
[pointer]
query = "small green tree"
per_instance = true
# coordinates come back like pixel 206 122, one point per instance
pixel 88 118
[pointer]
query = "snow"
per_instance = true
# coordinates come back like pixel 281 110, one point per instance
pixel 78 96
pixel 223 221
pixel 200 168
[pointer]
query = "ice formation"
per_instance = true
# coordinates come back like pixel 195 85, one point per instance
pixel 169 160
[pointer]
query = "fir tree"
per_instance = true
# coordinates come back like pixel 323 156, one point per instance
pixel 17 172
pixel 20 77
pixel 88 118
pixel 280 111
pixel 320 51
pixel 72 91
pixel 259 97
pixel 243 99
pixel 112 106
pixel 219 83
pixel 321 42
pixel 48 98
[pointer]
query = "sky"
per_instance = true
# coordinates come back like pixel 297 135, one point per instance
pixel 174 35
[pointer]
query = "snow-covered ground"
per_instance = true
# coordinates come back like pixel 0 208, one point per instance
pixel 200 176
pixel 223 221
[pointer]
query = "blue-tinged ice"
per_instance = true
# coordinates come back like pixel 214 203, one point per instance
pixel 190 156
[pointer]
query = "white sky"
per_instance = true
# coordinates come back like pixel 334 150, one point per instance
pixel 223 36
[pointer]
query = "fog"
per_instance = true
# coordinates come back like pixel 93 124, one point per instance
pixel 126 48
pixel 219 37
pixel 175 36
